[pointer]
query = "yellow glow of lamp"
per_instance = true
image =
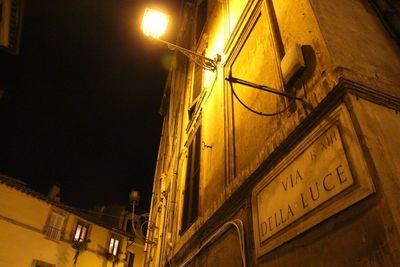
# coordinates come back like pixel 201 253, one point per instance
pixel 154 23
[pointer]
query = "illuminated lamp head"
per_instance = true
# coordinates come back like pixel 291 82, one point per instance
pixel 154 23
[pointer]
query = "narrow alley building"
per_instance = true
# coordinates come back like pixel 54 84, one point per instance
pixel 286 153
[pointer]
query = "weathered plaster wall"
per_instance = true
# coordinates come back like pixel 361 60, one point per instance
pixel 358 42
pixel 380 128
pixel 19 246
pixel 341 40
pixel 365 234
pixel 21 207
pixel 219 252
pixel 255 53
pixel 213 159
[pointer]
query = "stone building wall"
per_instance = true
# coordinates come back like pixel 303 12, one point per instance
pixel 307 183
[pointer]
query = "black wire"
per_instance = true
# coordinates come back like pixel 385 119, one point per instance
pixel 257 112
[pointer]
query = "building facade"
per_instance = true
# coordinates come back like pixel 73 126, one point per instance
pixel 10 25
pixel 11 12
pixel 310 177
pixel 39 231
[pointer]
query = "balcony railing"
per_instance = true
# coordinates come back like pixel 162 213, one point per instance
pixel 52 233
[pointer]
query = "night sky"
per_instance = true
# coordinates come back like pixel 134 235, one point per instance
pixel 82 101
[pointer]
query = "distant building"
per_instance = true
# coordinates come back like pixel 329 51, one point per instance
pixel 11 12
pixel 248 177
pixel 39 231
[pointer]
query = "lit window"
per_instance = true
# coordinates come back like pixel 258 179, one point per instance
pixel 80 232
pixel 113 245
pixel 54 226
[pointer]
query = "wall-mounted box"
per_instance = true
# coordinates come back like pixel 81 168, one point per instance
pixel 292 63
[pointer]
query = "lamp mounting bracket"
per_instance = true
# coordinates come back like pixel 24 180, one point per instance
pixel 200 60
pixel 269 89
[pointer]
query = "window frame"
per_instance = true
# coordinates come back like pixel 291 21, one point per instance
pixel 111 248
pixel 51 231
pixel 191 188
pixel 130 256
pixel 82 225
pixel 196 91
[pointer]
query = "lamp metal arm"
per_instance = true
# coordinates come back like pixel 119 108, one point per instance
pixel 200 60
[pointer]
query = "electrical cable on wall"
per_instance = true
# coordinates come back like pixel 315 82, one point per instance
pixel 231 80
pixel 254 111
pixel 212 86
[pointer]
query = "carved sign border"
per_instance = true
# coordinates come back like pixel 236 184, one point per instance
pixel 361 188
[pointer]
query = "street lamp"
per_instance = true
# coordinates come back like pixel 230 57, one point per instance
pixel 154 25
pixel 134 198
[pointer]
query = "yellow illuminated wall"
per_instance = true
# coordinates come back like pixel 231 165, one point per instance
pixel 22 223
pixel 252 37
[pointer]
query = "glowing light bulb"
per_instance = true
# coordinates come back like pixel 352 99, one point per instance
pixel 154 23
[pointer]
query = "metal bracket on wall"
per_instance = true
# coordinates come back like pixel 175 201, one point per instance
pixel 265 88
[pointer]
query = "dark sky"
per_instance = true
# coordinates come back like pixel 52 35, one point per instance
pixel 82 101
